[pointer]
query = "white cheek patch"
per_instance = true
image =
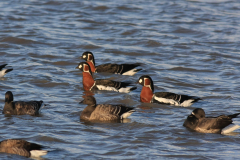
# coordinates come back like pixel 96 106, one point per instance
pixel 140 81
pixel 193 113
pixel 80 66
pixel 84 56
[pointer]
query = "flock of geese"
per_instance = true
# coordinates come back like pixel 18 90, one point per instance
pixel 196 121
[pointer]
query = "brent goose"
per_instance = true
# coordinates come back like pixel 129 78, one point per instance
pixel 221 124
pixel 22 148
pixel 20 107
pixel 104 112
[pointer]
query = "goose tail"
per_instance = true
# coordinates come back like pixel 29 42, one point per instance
pixel 127 114
pixel 230 128
pixel 38 153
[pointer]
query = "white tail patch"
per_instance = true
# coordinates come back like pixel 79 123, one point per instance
pixel 38 153
pixel 3 72
pixel 229 128
pixel 186 103
pixel 130 72
pixel 125 90
pixel 127 114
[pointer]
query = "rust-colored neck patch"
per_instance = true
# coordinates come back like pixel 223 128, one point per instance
pixel 88 81
pixel 146 94
pixel 92 66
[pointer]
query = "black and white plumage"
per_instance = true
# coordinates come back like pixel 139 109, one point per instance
pixel 3 71
pixel 89 84
pixel 22 148
pixel 221 124
pixel 124 69
pixel 104 112
pixel 105 84
pixel 147 95
pixel 174 99
pixel 20 107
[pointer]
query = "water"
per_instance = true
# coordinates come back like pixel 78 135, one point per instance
pixel 190 47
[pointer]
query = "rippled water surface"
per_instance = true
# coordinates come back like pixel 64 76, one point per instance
pixel 187 46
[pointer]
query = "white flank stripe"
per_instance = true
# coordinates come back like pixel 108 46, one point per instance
pixel 130 73
pixel 101 87
pixel 165 100
pixel 173 102
pixel 229 128
pixel 125 90
pixel 38 153
pixel 127 114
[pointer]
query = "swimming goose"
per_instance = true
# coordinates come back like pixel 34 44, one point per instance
pixel 124 69
pixel 20 107
pixel 90 84
pixel 4 71
pixel 148 95
pixel 221 124
pixel 22 148
pixel 104 112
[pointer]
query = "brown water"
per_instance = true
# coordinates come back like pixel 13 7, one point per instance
pixel 190 47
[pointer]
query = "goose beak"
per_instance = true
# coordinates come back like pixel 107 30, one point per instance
pixel 76 67
pixel 81 57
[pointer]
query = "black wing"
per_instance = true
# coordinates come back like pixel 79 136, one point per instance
pixel 223 121
pixel 107 112
pixel 116 68
pixel 111 83
pixel 2 66
pixel 123 109
pixel 110 68
pixel 31 107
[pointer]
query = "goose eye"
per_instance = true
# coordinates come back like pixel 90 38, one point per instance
pixel 84 56
pixel 140 80
pixel 80 66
